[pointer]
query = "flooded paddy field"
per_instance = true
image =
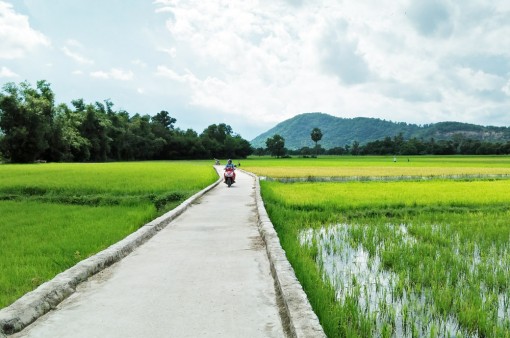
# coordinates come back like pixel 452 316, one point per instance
pixel 400 259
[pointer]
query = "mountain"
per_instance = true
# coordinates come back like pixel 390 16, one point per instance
pixel 337 131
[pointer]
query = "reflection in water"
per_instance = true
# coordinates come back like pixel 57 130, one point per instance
pixel 381 295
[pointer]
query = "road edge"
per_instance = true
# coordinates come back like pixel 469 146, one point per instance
pixel 48 295
pixel 301 319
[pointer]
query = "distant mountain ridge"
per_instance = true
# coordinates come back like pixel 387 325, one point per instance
pixel 338 131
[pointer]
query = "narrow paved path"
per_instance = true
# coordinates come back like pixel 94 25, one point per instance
pixel 205 275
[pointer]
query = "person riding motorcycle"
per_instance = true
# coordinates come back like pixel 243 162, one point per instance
pixel 230 166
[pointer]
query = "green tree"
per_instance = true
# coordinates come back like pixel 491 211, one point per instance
pixel 276 145
pixel 355 149
pixel 243 148
pixel 260 151
pixel 95 128
pixel 214 140
pixel 316 136
pixel 142 142
pixel 73 146
pixel 219 141
pixel 26 120
pixel 164 119
pixel 119 134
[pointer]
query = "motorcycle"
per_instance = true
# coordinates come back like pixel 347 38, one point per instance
pixel 229 176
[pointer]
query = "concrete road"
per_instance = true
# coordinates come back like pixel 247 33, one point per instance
pixel 205 275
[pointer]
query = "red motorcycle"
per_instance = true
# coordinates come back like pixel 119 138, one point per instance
pixel 229 176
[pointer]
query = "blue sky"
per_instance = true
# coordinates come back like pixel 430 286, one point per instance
pixel 252 64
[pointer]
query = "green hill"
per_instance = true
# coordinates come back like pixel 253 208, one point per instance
pixel 337 131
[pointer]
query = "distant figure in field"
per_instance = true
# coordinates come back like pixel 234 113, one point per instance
pixel 238 164
pixel 394 159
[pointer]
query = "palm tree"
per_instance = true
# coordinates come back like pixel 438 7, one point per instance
pixel 316 137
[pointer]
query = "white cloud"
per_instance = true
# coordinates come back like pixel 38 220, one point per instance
pixel 76 56
pixel 114 74
pixel 100 74
pixel 74 43
pixel 17 38
pixel 170 51
pixel 139 63
pixel 506 88
pixel 6 72
pixel 262 61
pixel 169 73
pixel 479 80
pixel 400 61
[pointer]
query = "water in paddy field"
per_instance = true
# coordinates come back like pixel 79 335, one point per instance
pixel 381 295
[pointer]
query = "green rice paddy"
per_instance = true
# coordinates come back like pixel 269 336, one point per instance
pixel 54 215
pixel 379 166
pixel 414 258
pixel 419 247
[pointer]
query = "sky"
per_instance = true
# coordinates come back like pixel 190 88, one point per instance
pixel 252 64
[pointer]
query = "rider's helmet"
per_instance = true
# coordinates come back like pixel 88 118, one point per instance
pixel 229 161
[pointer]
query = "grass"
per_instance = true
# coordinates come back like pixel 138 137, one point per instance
pixel 54 215
pixel 400 259
pixel 118 178
pixel 372 195
pixel 40 240
pixel 368 166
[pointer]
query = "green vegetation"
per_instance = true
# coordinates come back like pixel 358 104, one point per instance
pixel 316 136
pixel 33 128
pixel 276 146
pixel 420 258
pixel 40 240
pixel 54 215
pixel 378 166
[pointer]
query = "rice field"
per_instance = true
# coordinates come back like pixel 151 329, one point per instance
pixel 54 215
pixel 416 258
pixel 379 166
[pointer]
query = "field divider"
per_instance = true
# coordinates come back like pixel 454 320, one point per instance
pixel 48 295
pixel 299 317
pixel 385 178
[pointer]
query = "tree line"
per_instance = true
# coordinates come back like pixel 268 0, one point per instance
pixel 34 128
pixel 459 144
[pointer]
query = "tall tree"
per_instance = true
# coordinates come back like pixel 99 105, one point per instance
pixel 26 119
pixel 217 140
pixel 164 119
pixel 316 136
pixel 276 145
pixel 73 146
